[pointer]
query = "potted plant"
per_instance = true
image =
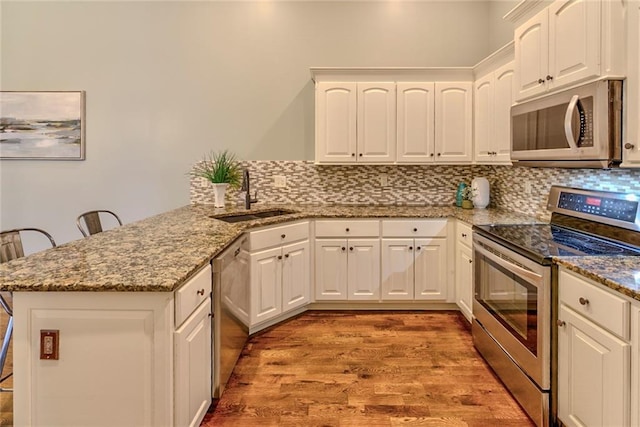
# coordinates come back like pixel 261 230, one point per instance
pixel 222 170
pixel 467 197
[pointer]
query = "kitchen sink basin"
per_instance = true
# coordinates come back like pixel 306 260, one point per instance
pixel 252 216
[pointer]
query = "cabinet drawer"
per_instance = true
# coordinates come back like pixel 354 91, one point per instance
pixel 414 227
pixel 464 233
pixel 189 296
pixel 600 306
pixel 280 235
pixel 348 228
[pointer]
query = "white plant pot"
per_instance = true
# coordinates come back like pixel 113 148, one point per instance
pixel 219 191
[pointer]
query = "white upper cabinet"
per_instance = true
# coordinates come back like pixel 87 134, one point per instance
pixel 336 122
pixel 492 115
pixel 631 142
pixel 363 120
pixel 453 122
pixel 569 42
pixel 376 122
pixel 416 119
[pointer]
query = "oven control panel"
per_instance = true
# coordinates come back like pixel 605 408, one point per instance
pixel 600 205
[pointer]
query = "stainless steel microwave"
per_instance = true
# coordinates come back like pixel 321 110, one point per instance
pixel 579 127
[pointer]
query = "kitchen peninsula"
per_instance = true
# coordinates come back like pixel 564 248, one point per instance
pixel 112 299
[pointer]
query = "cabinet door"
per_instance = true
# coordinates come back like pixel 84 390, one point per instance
pixel 266 285
pixel 502 100
pixel 483 118
pixel 532 55
pixel 363 269
pixel 454 123
pixel 431 269
pixel 464 281
pixel 574 41
pixel 635 366
pixel 397 269
pixel 192 367
pixel 631 151
pixel 335 122
pixel 376 122
pixel 295 276
pixel 331 269
pixel 593 374
pixel 415 124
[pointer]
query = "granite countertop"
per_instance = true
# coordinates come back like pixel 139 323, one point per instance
pixel 160 253
pixel 621 273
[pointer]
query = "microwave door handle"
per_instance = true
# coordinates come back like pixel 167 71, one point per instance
pixel 516 269
pixel 568 131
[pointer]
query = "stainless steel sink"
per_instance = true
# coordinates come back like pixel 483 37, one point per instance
pixel 252 216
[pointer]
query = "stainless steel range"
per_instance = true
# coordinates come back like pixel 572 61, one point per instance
pixel 515 291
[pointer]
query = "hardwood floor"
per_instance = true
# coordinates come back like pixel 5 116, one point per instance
pixel 365 369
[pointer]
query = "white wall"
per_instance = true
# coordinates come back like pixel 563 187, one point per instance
pixel 500 30
pixel 166 82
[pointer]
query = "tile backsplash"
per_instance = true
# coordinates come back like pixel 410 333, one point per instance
pixel 308 183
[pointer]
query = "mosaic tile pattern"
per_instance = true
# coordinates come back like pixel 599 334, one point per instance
pixel 308 183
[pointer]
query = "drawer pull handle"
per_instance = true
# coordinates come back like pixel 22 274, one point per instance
pixel 561 323
pixel 200 292
pixel 283 235
pixel 583 301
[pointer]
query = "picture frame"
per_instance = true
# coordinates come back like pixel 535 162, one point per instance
pixel 42 125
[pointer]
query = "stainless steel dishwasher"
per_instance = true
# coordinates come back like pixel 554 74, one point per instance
pixel 230 311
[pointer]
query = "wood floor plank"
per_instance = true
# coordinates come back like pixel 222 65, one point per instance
pixel 365 369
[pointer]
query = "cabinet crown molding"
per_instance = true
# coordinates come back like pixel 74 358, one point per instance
pixel 524 10
pixel 497 59
pixel 397 74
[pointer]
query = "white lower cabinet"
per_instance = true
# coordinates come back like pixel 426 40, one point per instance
pixel 125 358
pixel 464 269
pixel 347 269
pixel 414 269
pixel 594 355
pixel 414 259
pixel 192 367
pixel 635 365
pixel 280 275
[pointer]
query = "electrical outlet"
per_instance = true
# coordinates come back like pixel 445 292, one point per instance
pixel 527 187
pixel 384 180
pixel 280 181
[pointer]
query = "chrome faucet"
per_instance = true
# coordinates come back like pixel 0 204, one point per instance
pixel 248 200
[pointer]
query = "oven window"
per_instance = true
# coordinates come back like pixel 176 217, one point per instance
pixel 511 300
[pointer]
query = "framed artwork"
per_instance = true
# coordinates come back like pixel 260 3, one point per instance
pixel 42 125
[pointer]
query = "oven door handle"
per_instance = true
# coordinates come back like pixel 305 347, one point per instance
pixel 514 268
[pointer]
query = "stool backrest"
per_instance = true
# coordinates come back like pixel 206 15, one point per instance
pixel 11 243
pixel 92 222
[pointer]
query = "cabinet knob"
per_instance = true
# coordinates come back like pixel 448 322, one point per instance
pixel 418 248
pixel 346 229
pixel 279 256
pixel 549 77
pixel 439 154
pixel 353 154
pixel 283 235
pixel 470 261
pixel 286 255
pixel 351 248
pixel 464 234
pixel 561 323
pixel 583 301
pixel 360 154
pixel 410 248
pixel 200 292
pixel 344 249
pixel 415 230
pixel 540 81
pixel 431 154
pixel 629 146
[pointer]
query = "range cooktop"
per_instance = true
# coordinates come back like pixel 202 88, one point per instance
pixel 583 223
